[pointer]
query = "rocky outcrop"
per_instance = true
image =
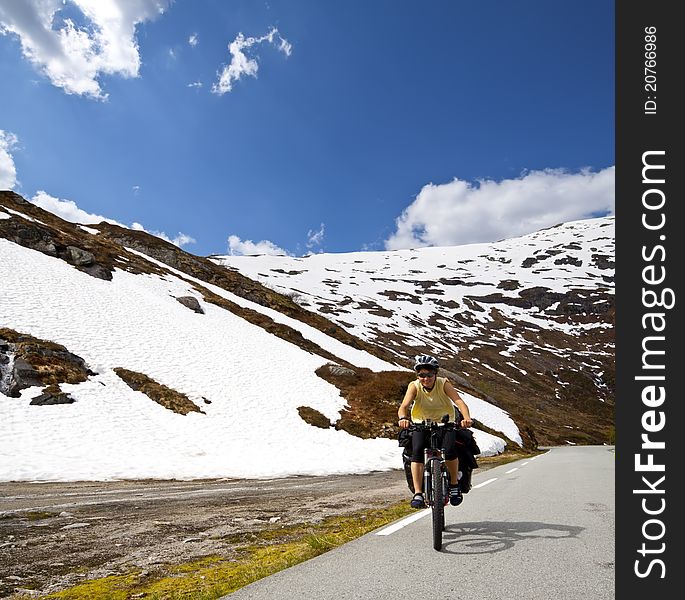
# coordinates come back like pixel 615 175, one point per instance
pixel 592 302
pixel 37 236
pixel 26 361
pixel 192 303
pixel 115 247
pixel 52 395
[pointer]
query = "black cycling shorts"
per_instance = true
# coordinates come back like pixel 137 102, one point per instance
pixel 421 440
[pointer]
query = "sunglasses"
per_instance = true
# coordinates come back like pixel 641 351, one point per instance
pixel 425 375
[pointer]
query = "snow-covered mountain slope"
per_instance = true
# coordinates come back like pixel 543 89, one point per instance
pixel 101 343
pixel 414 295
pixel 529 321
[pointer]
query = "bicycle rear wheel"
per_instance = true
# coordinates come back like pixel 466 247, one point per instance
pixel 438 507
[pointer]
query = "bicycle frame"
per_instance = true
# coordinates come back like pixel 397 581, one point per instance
pixel 436 477
pixel 434 461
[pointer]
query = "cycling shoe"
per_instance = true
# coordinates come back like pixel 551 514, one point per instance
pixel 455 495
pixel 417 501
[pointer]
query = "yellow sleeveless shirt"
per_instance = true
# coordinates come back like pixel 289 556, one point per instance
pixel 432 405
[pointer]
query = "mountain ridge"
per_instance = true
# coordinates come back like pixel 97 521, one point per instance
pixel 535 313
pixel 564 391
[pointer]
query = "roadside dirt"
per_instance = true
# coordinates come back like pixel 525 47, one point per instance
pixel 55 535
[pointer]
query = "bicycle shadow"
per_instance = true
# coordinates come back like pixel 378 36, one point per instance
pixel 493 536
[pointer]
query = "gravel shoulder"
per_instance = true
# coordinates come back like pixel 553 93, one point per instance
pixel 55 535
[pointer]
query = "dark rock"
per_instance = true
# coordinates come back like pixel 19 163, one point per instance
pixel 508 285
pixel 569 260
pixel 142 242
pixel 529 262
pixel 192 303
pixel 23 376
pixel 339 371
pixel 48 240
pixel 52 395
pixel 30 236
pixel 573 302
pixel 603 261
pixel 540 297
pixel 26 362
pixel 14 197
pixel 99 271
pixel 80 258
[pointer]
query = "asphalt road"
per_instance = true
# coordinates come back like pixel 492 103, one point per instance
pixel 535 529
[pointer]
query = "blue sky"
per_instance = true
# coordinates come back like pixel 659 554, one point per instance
pixel 302 126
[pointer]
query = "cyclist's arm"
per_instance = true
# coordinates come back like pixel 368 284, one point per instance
pixel 405 408
pixel 454 396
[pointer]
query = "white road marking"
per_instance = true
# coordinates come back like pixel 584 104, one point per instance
pixel 415 517
pixel 484 483
pixel 539 455
pixel 404 522
pixel 512 470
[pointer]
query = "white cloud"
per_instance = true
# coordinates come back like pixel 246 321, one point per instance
pixel 236 246
pixel 8 172
pixel 460 212
pixel 193 40
pixel 195 84
pixel 315 238
pixel 69 211
pixel 74 55
pixel 241 64
pixel 285 46
pixel 180 240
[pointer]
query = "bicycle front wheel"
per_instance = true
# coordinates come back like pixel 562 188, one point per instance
pixel 438 507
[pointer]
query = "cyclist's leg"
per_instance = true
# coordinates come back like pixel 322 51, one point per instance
pixel 418 444
pixel 451 455
pixel 453 468
pixel 417 476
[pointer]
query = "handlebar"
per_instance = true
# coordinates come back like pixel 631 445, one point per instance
pixel 429 425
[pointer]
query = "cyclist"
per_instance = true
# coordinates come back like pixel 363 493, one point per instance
pixel 432 397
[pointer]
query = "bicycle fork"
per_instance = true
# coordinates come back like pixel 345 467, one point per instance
pixel 433 460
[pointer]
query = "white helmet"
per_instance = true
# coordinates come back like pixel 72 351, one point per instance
pixel 425 361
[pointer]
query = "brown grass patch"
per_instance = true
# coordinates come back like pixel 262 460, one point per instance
pixel 161 394
pixel 314 417
pixel 372 399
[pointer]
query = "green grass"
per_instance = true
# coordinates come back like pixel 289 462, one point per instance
pixel 262 554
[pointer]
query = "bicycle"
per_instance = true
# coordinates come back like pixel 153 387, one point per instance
pixel 436 477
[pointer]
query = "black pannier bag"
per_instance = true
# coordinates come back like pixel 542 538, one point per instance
pixel 406 463
pixel 404 441
pixel 404 438
pixel 466 447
